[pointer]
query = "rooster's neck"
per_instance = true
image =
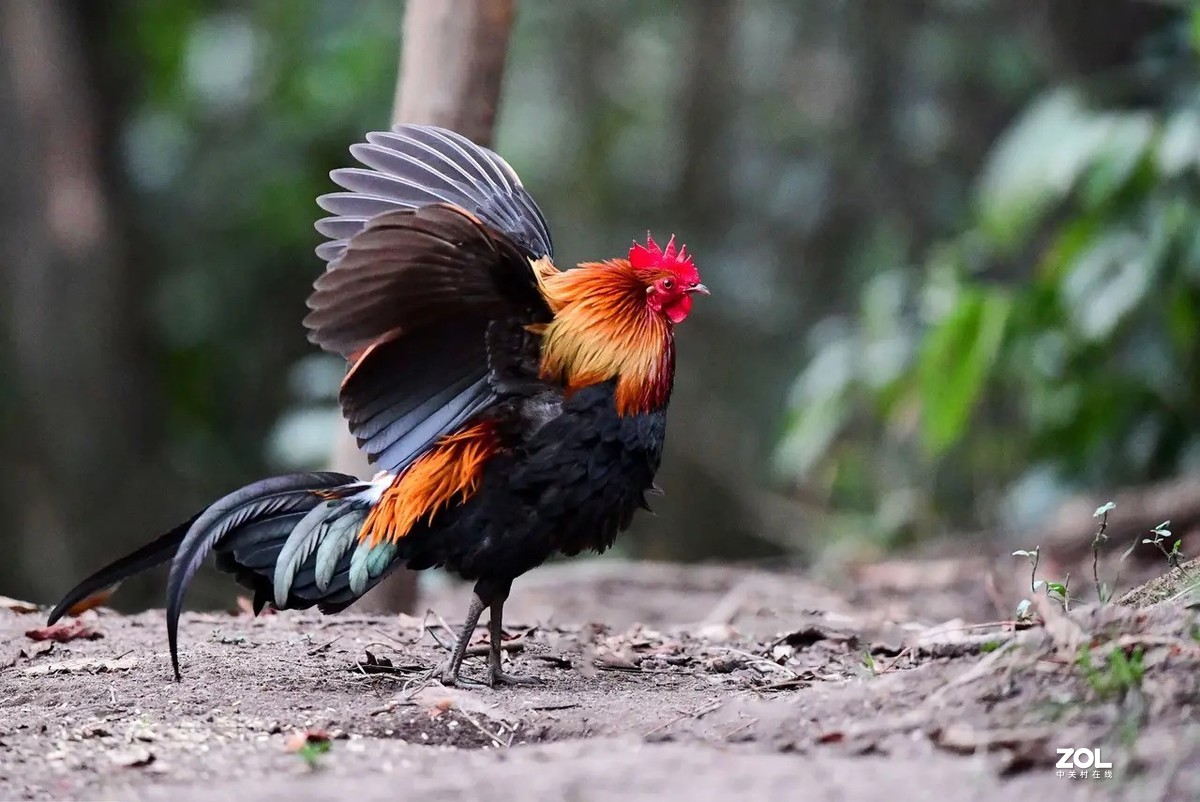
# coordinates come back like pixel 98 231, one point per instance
pixel 604 330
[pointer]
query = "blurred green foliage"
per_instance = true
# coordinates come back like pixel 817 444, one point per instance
pixel 1051 345
pixel 236 113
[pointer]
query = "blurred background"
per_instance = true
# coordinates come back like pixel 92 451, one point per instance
pixel 954 249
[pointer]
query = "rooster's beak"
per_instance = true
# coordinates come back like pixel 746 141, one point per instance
pixel 700 288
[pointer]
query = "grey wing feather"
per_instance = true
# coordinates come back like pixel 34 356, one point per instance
pixel 418 165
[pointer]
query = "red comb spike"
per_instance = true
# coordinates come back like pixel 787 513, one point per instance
pixel 674 259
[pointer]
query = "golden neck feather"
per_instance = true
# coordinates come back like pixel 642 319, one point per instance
pixel 602 330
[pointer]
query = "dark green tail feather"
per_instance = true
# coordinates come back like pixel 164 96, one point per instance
pixel 224 520
pixel 250 531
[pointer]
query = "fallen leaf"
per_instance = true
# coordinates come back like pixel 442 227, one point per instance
pixel 553 660
pixel 37 649
pixel 615 662
pixel 726 664
pixel 17 605
pixel 813 634
pixel 65 631
pixel 133 759
pixel 89 665
pixel 383 665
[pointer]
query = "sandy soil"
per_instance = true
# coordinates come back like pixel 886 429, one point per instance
pixel 659 682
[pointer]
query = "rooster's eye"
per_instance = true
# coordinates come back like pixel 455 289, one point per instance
pixel 667 284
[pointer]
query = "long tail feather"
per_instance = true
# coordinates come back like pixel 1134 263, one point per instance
pixel 154 553
pixel 269 498
pixel 294 540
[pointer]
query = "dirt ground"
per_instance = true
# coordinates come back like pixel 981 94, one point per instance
pixel 659 682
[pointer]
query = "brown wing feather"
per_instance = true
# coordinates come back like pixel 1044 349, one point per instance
pixel 406 269
pixel 410 301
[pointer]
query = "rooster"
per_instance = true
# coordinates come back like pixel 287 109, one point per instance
pixel 514 410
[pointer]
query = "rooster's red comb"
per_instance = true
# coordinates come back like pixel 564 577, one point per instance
pixel 651 257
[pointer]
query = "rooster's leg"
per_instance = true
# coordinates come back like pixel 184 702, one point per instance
pixel 454 664
pixel 496 675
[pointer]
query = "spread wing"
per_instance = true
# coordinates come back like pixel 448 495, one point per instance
pixel 418 165
pixel 428 288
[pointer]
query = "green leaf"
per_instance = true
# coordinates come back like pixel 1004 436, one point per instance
pixel 956 359
pixel 1105 508
pixel 1036 163
pixel 1106 283
pixel 1179 145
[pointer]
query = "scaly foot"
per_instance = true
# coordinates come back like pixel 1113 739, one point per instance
pixel 497 676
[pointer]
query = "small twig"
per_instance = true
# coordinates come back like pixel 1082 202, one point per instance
pixel 555 706
pixel 1100 537
pixel 494 738
pixel 391 706
pixel 739 728
pixel 698 713
pixel 903 652
pixel 318 649
pixel 753 658
pixel 1036 555
pixel 786 685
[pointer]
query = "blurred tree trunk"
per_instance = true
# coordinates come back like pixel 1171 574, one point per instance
pixel 451 68
pixel 78 438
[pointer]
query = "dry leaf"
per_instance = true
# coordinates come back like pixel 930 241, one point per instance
pixel 65 631
pixel 133 759
pixel 37 649
pixel 615 662
pixel 17 605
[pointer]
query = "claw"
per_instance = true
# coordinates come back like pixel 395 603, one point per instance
pixel 501 678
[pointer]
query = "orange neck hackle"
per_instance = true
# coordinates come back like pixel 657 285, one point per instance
pixel 603 329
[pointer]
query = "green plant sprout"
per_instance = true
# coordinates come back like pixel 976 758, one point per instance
pixel 1058 591
pixel 1102 593
pixel 1161 534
